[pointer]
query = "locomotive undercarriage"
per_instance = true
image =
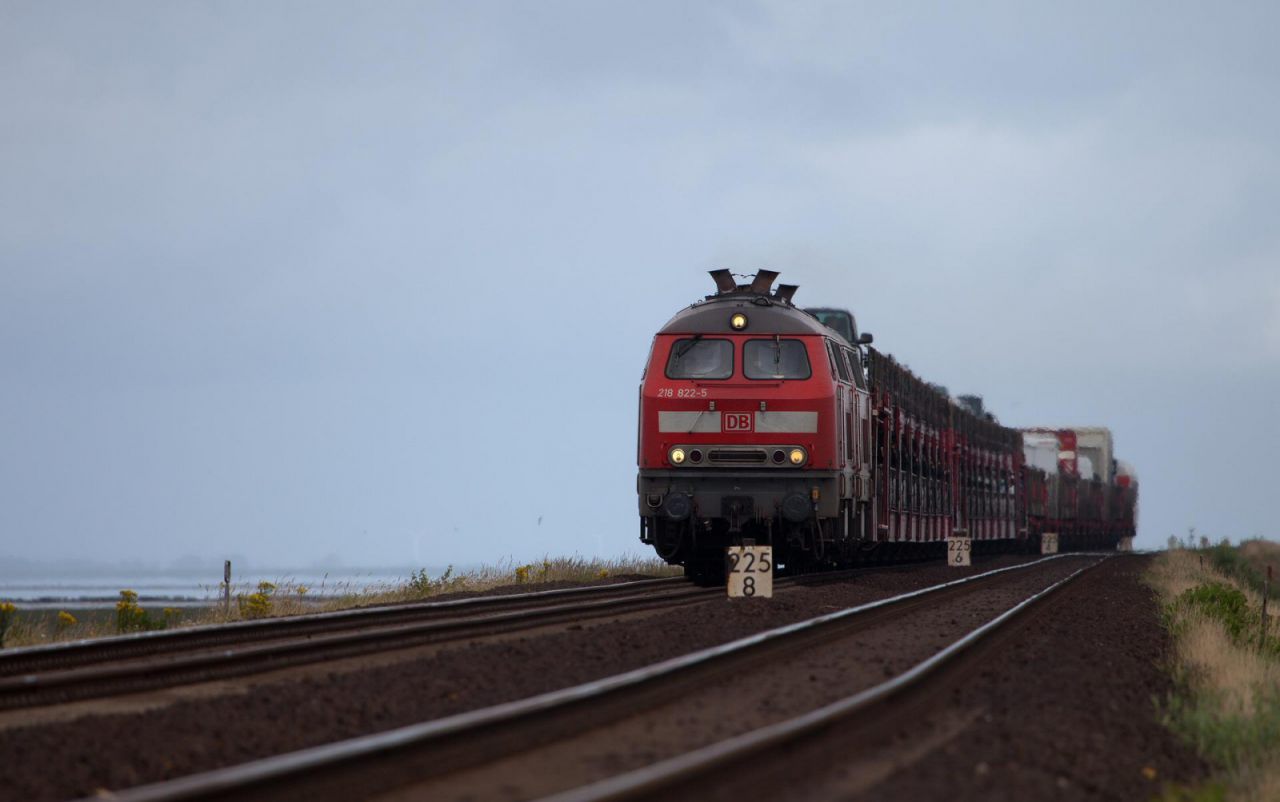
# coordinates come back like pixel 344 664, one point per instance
pixel 690 519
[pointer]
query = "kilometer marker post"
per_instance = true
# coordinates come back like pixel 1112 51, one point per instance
pixel 959 549
pixel 749 570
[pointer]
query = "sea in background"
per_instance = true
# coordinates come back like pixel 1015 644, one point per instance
pixel 79 589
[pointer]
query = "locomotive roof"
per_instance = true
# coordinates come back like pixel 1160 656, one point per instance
pixel 767 312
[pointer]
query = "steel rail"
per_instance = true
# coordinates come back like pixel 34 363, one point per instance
pixel 254 776
pixel 296 641
pixel 136 645
pixel 94 681
pixel 27 659
pixel 663 775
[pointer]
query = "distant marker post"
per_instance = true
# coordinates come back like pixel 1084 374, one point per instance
pixel 959 550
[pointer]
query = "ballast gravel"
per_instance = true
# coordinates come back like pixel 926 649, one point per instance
pixel 57 759
pixel 1063 707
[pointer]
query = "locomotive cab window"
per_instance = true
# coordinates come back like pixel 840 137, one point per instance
pixel 775 359
pixel 838 363
pixel 855 366
pixel 700 359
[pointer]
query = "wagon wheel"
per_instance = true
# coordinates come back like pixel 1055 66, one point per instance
pixel 667 539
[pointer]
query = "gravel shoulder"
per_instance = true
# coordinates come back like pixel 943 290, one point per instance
pixel 1061 706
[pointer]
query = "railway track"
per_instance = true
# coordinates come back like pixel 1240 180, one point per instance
pixel 409 761
pixel 60 673
pixel 700 774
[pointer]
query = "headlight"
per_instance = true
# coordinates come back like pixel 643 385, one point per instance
pixel 676 455
pixel 738 322
pixel 797 456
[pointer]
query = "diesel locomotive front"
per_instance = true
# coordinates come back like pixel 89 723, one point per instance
pixel 750 417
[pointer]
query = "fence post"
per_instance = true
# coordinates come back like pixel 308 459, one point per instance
pixel 226 589
pixel 1266 594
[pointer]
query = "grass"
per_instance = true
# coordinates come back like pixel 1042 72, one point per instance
pixel 20 627
pixel 1227 673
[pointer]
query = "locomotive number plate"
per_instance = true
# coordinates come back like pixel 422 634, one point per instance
pixel 1049 543
pixel 750 571
pixel 959 550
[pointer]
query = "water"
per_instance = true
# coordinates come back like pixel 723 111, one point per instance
pixel 178 589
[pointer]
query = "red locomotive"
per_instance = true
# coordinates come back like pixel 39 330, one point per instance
pixel 762 421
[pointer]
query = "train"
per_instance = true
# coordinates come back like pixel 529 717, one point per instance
pixel 764 423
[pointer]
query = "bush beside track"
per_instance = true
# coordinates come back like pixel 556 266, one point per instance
pixel 1227 672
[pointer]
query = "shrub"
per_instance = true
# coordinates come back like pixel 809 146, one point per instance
pixel 421 584
pixel 1227 739
pixel 130 617
pixel 1230 561
pixel 1224 604
pixel 7 610
pixel 257 604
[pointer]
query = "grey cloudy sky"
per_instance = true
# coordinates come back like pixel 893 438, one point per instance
pixel 375 282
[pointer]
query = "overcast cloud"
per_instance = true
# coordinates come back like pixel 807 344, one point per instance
pixel 375 282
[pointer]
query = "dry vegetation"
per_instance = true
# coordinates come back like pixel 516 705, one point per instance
pixel 19 628
pixel 1227 670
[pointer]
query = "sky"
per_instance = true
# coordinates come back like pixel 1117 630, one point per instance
pixel 315 283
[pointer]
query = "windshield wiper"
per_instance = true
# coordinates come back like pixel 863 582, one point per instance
pixel 684 350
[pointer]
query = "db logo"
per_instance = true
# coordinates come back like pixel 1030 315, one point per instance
pixel 737 421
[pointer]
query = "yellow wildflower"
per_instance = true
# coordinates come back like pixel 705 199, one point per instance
pixel 129 616
pixel 66 619
pixel 257 605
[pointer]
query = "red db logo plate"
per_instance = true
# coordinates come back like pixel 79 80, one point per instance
pixel 737 421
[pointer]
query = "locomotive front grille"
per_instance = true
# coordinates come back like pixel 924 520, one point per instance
pixel 738 456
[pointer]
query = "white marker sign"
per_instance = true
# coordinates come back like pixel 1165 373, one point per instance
pixel 958 551
pixel 1049 543
pixel 750 571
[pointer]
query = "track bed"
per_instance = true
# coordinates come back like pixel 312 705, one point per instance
pixel 67 753
pixel 1059 706
pixel 73 749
